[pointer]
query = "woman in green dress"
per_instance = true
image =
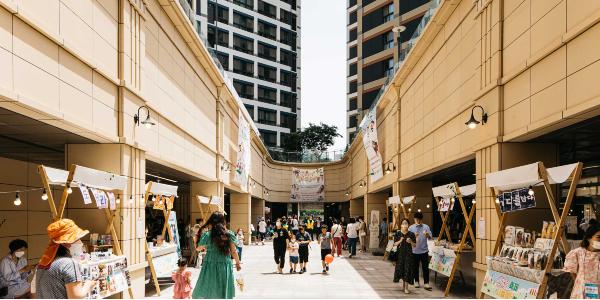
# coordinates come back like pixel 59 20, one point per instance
pixel 216 279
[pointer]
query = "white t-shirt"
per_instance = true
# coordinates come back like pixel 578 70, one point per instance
pixel 262 226
pixel 351 230
pixel 336 230
pixel 295 224
pixel 294 248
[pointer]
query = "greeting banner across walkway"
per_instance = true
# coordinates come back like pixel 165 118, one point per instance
pixel 308 185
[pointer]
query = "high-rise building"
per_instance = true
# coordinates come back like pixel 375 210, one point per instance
pixel 374 47
pixel 258 44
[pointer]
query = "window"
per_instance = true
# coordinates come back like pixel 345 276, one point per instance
pixel 223 37
pixel 287 18
pixel 210 36
pixel 377 17
pixel 352 70
pixel 288 58
pixel 287 99
pixel 244 89
pixel 367 2
pixel 352 121
pixel 352 87
pixel 267 9
pixel 377 44
pixel 267 30
pixel 292 3
pixel 368 98
pixel 250 109
pixel 243 44
pixel 288 79
pixel 249 4
pixel 352 18
pixel 377 70
pixel 389 68
pixel 268 137
pixel 223 59
pixel 287 120
pixel 351 137
pixel 267 73
pixel 388 12
pixel 352 35
pixel 267 116
pixel 410 29
pixel 198 10
pixel 243 21
pixel 267 51
pixel 222 13
pixel 352 52
pixel 406 6
pixel 243 66
pixel 288 37
pixel 351 3
pixel 266 94
pixel 352 104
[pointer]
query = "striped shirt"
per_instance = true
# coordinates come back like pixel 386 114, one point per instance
pixel 50 283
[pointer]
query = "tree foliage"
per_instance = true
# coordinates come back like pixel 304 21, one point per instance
pixel 318 138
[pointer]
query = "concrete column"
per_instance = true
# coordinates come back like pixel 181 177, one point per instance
pixel 357 207
pixel 206 189
pixel 240 212
pixel 257 210
pixel 499 157
pixel 123 160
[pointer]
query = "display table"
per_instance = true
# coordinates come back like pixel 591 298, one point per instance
pixel 111 273
pixel 164 259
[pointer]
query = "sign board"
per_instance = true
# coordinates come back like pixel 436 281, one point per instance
pixel 442 260
pixel 444 204
pixel 502 286
pixel 174 231
pixel 165 265
pixel 394 200
pixel 408 200
pixel 308 185
pixel 514 200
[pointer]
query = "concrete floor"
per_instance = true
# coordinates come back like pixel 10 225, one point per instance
pixel 364 276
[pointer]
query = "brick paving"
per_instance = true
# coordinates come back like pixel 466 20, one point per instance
pixel 364 276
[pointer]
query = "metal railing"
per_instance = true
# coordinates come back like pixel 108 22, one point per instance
pixel 279 154
pixel 189 12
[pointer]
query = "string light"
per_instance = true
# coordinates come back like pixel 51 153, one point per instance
pixel 473 201
pixel 497 201
pixel 69 190
pixel 419 210
pixel 118 199
pixel 530 192
pixel 17 201
pixel 130 200
pixel 44 195
pixel 428 205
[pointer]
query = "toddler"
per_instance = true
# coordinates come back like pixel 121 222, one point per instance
pixel 182 279
pixel 293 250
pixel 240 242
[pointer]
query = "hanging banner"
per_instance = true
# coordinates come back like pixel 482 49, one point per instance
pixel 242 165
pixel 518 199
pixel 503 286
pixel 371 144
pixel 175 231
pixel 308 185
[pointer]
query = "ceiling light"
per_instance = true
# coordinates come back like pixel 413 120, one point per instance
pixel 472 123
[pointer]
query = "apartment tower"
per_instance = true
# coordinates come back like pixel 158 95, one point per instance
pixel 374 47
pixel 258 44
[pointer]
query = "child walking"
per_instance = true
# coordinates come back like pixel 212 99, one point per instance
pixel 240 242
pixel 325 242
pixel 182 278
pixel 293 250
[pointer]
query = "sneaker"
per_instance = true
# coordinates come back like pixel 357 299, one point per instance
pixel 301 271
pixel 417 285
pixel 291 271
pixel 428 287
pixel 324 272
pixel 327 267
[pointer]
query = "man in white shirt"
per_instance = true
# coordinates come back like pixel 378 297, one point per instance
pixel 262 230
pixel 352 230
pixel 336 233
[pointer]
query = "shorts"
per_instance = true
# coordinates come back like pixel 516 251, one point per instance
pixel 294 259
pixel 324 253
pixel 303 251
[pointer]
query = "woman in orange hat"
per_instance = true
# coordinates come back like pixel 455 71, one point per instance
pixel 59 275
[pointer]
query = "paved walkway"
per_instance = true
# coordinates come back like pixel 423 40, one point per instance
pixel 364 276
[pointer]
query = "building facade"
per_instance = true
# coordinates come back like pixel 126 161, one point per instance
pixel 258 44
pixel 374 48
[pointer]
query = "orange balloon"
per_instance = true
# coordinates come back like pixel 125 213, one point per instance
pixel 329 258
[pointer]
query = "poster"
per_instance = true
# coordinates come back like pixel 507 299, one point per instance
pixel 481 228
pixel 514 200
pixel 85 194
pixel 498 285
pixel 571 224
pixel 112 200
pixel 374 230
pixel 158 203
pixel 444 204
pixel 242 165
pixel 308 185
pixel 442 260
pixel 174 231
pixel 169 202
pixel 371 145
pixel 394 200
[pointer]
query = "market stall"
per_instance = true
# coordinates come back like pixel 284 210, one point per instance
pixel 445 256
pixel 104 260
pixel 162 257
pixel 401 208
pixel 522 262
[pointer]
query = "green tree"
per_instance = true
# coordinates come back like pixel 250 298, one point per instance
pixel 318 138
pixel 293 142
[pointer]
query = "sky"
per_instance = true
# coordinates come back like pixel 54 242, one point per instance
pixel 323 65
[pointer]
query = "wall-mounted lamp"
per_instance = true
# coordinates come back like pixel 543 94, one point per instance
pixel 472 123
pixel 390 167
pixel 362 183
pixel 225 167
pixel 347 193
pixel 267 192
pixel 147 122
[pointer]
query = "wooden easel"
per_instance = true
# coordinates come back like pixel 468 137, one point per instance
pixel 468 231
pixel 558 219
pixel 77 174
pixel 159 190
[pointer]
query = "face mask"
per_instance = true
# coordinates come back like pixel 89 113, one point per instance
pixel 76 249
pixel 19 254
pixel 278 223
pixel 596 245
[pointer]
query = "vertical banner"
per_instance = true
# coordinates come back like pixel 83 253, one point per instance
pixel 308 185
pixel 175 231
pixel 242 165
pixel 369 133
